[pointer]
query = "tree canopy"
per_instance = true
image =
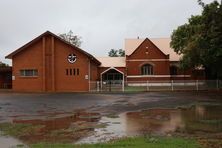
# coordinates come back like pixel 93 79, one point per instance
pixel 200 40
pixel 3 64
pixel 116 53
pixel 71 38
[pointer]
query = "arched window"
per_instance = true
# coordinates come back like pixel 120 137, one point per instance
pixel 147 69
pixel 173 70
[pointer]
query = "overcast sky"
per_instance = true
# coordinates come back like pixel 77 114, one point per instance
pixel 102 24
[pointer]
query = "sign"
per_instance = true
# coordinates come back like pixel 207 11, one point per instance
pixel 72 58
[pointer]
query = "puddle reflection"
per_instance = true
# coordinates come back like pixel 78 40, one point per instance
pixel 199 118
pixel 205 118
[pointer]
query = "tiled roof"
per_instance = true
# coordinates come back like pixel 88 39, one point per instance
pixel 162 43
pixel 112 61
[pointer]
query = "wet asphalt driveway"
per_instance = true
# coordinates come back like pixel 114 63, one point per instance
pixel 50 105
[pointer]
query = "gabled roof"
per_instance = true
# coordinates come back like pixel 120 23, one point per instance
pixel 162 43
pixel 57 37
pixel 112 61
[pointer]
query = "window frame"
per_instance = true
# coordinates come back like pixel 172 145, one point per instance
pixel 147 69
pixel 28 73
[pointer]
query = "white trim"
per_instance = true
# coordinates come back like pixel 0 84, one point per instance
pixel 180 76
pixel 110 69
pixel 156 76
pixel 148 60
pixel 101 78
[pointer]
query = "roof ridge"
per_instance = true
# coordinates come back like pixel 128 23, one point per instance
pixel 161 38
pixel 147 37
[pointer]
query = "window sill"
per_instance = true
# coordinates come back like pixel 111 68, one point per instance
pixel 29 77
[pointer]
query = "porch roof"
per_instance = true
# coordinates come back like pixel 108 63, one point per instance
pixel 112 61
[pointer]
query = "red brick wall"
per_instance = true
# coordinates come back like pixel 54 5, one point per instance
pixel 52 67
pixel 159 67
pixel 70 82
pixel 155 57
pixel 94 72
pixel 153 52
pixel 28 59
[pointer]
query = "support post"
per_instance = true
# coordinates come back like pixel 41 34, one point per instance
pixel 123 85
pixel 172 85
pixel 97 86
pixel 101 82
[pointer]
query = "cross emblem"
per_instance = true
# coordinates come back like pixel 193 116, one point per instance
pixel 72 58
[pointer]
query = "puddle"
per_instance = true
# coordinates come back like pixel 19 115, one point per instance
pixel 9 142
pixel 60 129
pixel 115 128
pixel 84 127
pixel 197 119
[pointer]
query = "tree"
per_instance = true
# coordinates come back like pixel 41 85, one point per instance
pixel 3 64
pixel 121 53
pixel 199 40
pixel 116 53
pixel 113 53
pixel 71 38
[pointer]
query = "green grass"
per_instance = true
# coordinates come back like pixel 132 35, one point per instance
pixel 140 142
pixel 211 121
pixel 135 88
pixel 17 130
pixel 112 116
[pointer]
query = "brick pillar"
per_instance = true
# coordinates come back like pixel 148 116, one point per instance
pixel 43 65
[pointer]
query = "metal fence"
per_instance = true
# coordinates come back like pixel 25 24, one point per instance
pixel 5 85
pixel 164 85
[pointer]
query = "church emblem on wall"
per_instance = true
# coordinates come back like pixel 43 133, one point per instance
pixel 72 58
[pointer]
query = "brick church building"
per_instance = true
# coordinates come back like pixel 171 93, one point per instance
pixel 50 64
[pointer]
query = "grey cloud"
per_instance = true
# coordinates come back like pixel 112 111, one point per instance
pixel 102 24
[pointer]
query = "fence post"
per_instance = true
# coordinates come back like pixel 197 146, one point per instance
pixel 147 86
pixel 197 86
pixel 217 84
pixel 172 85
pixel 101 85
pixel 97 84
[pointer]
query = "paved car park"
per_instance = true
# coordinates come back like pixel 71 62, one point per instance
pixel 41 105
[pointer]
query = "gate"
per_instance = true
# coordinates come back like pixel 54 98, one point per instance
pixel 112 85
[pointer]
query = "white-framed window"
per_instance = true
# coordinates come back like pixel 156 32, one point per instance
pixel 147 69
pixel 29 72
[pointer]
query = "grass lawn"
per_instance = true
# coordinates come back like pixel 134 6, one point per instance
pixel 136 142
